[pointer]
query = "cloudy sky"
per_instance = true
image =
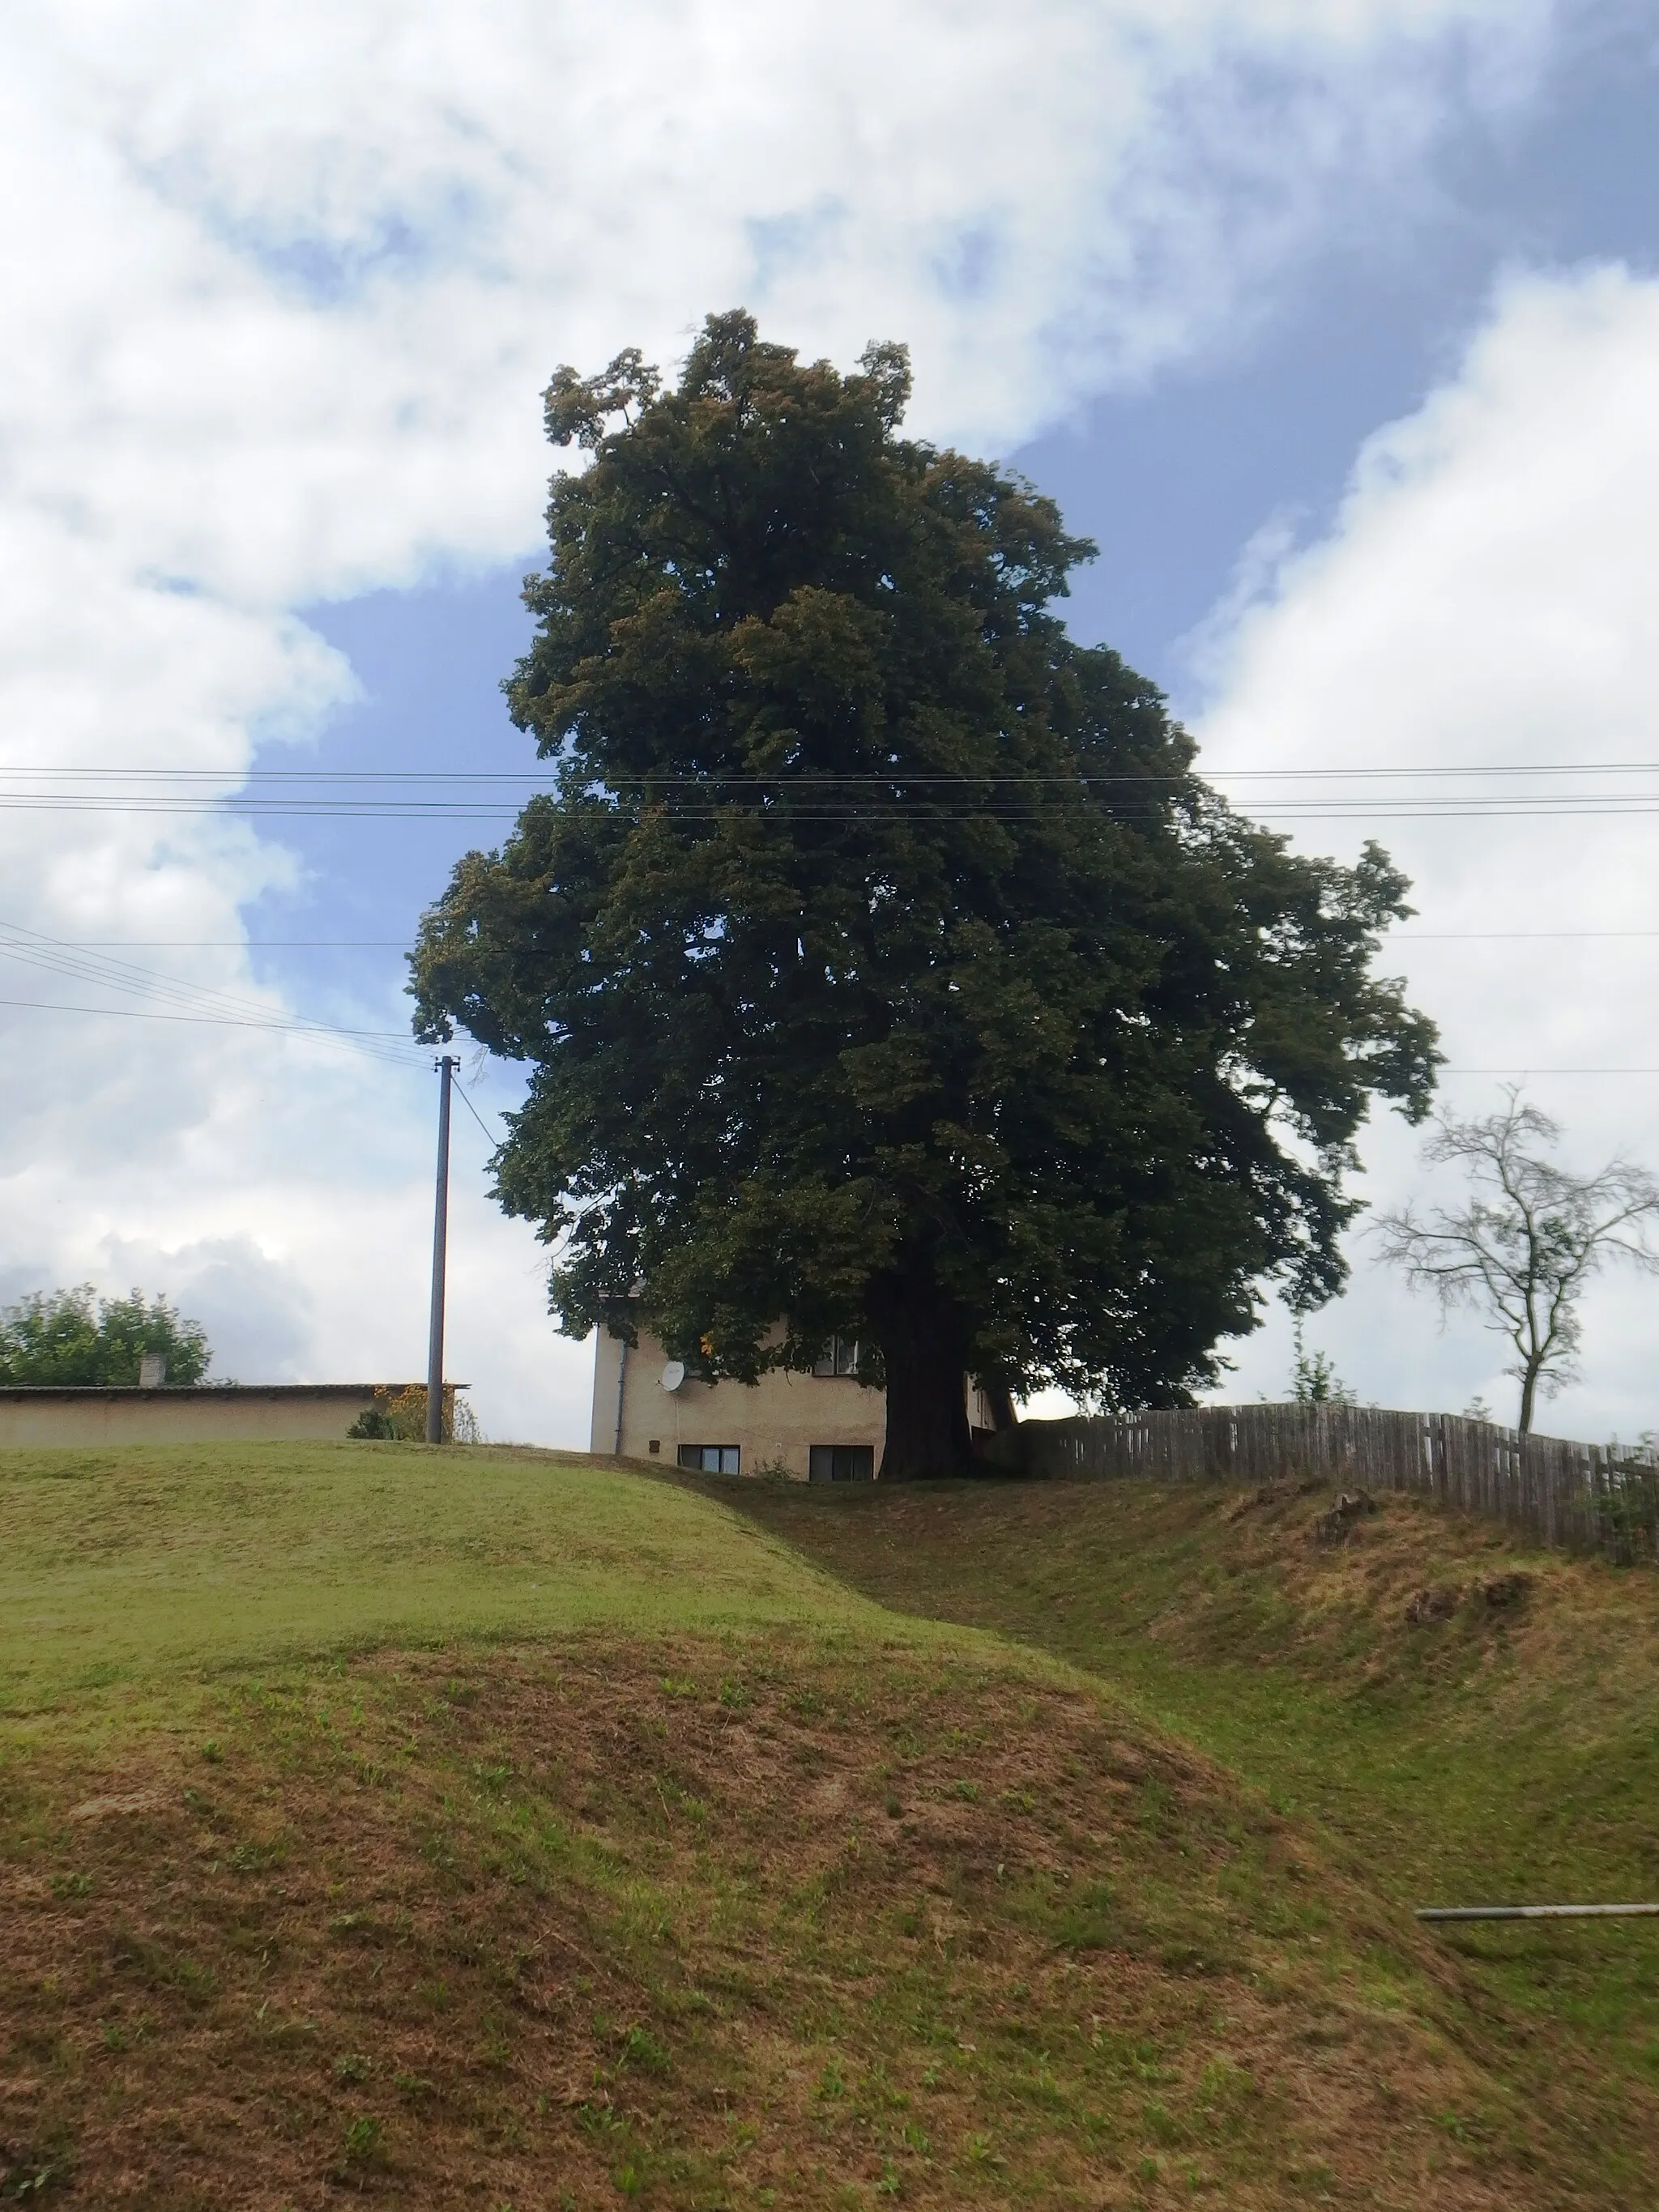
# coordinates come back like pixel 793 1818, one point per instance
pixel 1336 322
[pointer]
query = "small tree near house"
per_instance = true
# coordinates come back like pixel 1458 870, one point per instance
pixel 883 967
pixel 1532 1234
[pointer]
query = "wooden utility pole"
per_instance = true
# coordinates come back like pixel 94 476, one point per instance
pixel 434 1350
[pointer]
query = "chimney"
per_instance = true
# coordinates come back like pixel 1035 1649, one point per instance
pixel 152 1370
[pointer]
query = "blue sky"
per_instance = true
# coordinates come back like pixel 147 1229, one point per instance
pixel 1295 310
pixel 1173 481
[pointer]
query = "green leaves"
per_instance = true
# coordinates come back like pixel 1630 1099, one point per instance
pixel 877 952
pixel 72 1339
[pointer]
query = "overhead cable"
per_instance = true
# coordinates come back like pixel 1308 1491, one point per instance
pixel 178 999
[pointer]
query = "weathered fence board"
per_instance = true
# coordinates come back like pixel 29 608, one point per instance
pixel 1585 1498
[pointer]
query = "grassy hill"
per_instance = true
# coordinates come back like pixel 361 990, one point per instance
pixel 1452 1717
pixel 496 1829
pixel 117 1564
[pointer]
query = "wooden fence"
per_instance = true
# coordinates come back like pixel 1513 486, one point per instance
pixel 1588 1498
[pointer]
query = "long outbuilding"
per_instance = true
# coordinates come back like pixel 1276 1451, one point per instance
pixel 228 1413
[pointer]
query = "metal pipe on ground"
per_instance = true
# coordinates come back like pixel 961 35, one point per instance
pixel 1537 1911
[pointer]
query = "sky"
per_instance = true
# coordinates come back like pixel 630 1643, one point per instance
pixel 1335 323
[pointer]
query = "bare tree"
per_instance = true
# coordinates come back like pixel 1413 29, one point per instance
pixel 1528 1241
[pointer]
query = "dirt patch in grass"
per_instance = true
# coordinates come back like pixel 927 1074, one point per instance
pixel 702 1924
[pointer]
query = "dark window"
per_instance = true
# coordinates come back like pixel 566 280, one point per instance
pixel 841 1462
pixel 839 1357
pixel 711 1459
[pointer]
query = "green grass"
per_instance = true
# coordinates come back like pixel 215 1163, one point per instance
pixel 1514 1746
pixel 475 1825
pixel 122 1564
pixel 695 1919
pixel 1491 1753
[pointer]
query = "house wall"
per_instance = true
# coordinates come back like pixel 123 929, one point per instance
pixel 275 1413
pixel 774 1422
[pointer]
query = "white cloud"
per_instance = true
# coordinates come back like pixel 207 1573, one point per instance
pixel 282 285
pixel 1485 598
pixel 256 1311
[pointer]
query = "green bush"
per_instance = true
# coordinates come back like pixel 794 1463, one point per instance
pixel 399 1416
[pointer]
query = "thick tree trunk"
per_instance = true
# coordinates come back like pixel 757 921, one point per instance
pixel 923 1349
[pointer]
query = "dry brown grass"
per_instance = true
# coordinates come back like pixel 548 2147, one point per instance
pixel 709 1923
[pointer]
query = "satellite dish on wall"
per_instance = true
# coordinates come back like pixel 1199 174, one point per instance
pixel 673 1375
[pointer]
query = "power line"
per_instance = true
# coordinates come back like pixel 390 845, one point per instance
pixel 898 809
pixel 32 948
pixel 181 1000
pixel 402 944
pixel 901 806
pixel 1527 1073
pixel 892 790
pixel 1509 936
pixel 1439 772
pixel 410 1046
pixel 239 944
pixel 210 1021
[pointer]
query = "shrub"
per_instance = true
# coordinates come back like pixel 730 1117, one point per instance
pixel 399 1416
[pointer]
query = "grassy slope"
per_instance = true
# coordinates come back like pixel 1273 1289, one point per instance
pixel 117 1564
pixel 481 1828
pixel 1498 1743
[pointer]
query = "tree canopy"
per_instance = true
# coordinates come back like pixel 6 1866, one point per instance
pixel 882 966
pixel 73 1339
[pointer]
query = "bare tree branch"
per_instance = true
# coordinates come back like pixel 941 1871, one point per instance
pixel 1528 1241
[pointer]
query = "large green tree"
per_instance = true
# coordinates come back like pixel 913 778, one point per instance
pixel 881 964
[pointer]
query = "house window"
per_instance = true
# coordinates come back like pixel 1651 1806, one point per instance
pixel 841 1462
pixel 839 1357
pixel 711 1459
